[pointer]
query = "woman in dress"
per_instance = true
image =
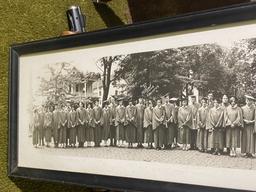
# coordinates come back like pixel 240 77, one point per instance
pixel 201 126
pixel 233 126
pixel 106 118
pixel 89 132
pixel 147 124
pixel 214 126
pixel 48 120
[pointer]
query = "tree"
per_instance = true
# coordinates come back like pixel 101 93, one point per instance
pixel 55 88
pixel 241 60
pixel 148 74
pixel 106 64
pixel 206 63
pixel 154 74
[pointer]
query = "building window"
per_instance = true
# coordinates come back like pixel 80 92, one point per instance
pixel 116 92
pixel 100 93
pixel 77 87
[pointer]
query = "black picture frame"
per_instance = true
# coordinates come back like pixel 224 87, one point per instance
pixel 244 12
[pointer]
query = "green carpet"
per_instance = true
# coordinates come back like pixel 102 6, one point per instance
pixel 29 20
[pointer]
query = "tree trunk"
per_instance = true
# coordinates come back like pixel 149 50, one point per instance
pixel 106 78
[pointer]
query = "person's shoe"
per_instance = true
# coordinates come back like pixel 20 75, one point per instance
pixel 192 148
pixel 250 155
pixel 165 148
pixel 228 151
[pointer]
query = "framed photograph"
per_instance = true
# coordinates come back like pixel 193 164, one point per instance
pixel 165 105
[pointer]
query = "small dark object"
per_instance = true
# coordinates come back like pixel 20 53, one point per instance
pixel 76 20
pixel 100 1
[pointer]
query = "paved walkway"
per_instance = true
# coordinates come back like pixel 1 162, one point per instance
pixel 175 156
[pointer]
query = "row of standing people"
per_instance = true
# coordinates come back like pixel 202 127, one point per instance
pixel 209 125
pixel 215 125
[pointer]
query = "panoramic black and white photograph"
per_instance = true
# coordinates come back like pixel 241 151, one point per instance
pixel 147 108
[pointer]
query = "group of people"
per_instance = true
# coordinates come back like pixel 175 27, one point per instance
pixel 212 126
